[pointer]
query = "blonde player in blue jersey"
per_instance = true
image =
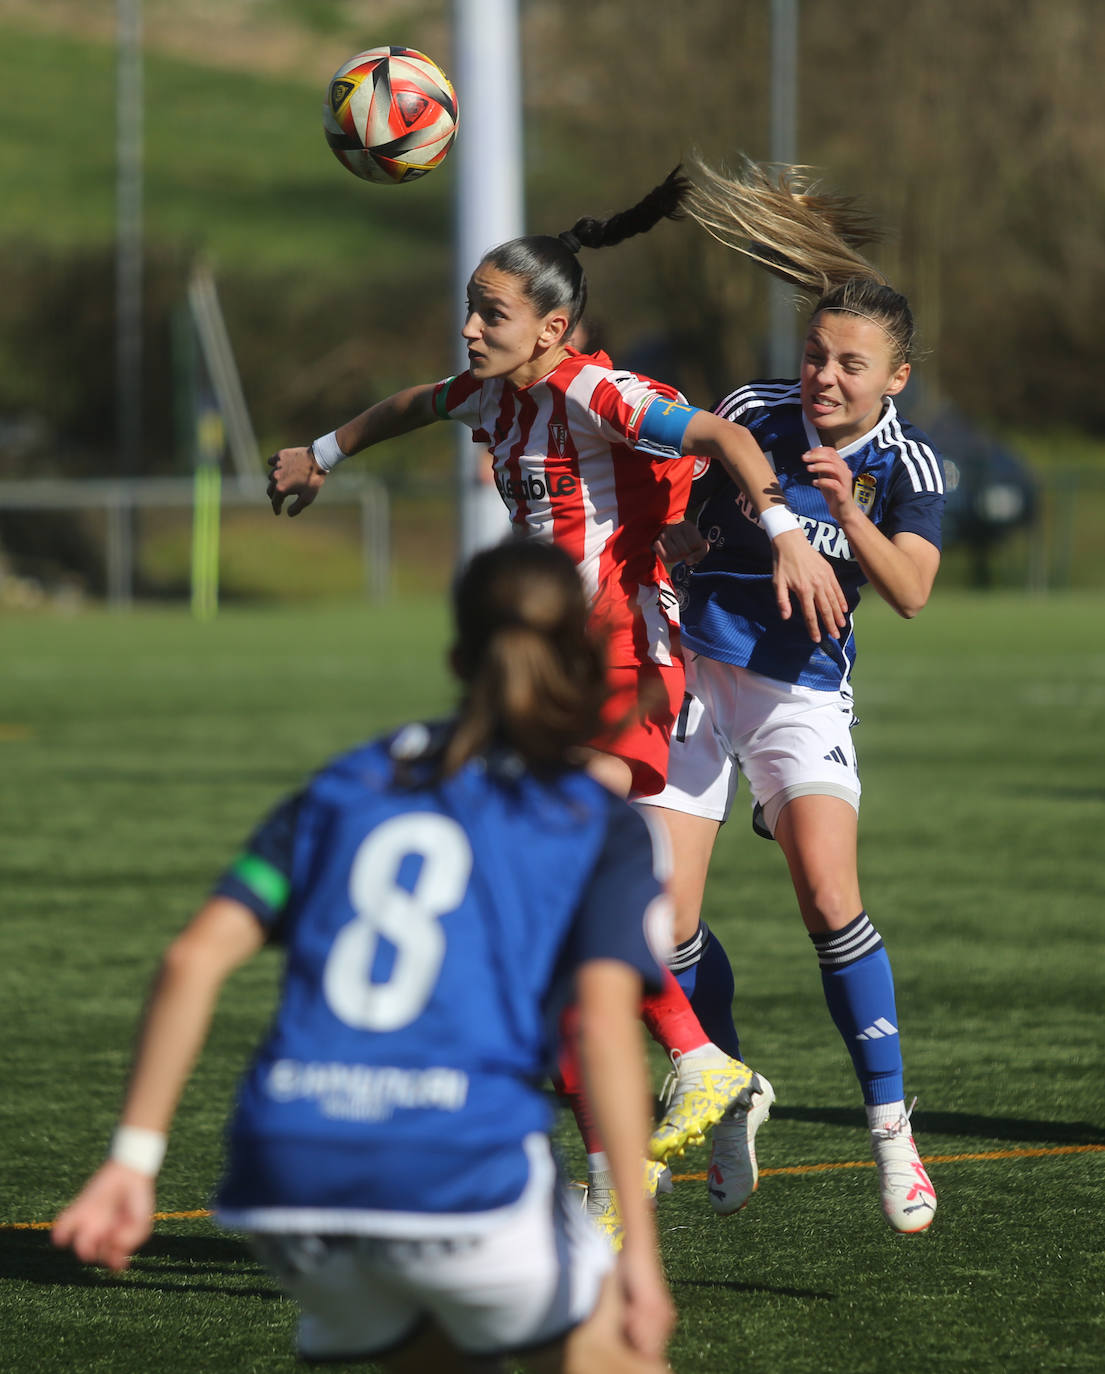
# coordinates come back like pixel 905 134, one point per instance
pixel 765 700
pixel 439 894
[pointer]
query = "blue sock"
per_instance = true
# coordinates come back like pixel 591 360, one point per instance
pixel 859 991
pixel 703 971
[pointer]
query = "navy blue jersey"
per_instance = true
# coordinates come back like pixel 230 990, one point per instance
pixel 430 929
pixel 727 601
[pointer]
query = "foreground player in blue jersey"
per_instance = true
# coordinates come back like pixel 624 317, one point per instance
pixel 763 699
pixel 439 894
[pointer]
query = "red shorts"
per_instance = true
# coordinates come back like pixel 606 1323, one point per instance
pixel 644 700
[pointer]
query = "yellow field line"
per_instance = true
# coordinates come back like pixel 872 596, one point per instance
pixel 157 1216
pixel 698 1178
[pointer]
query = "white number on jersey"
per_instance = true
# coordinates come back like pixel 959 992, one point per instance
pixel 408 919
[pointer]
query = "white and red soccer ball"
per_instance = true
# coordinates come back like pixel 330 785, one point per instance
pixel 390 114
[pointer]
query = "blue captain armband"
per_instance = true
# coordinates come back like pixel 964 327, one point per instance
pixel 665 422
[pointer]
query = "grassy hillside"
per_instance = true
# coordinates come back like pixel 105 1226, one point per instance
pixel 335 291
pixel 235 165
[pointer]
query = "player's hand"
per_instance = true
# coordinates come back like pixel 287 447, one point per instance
pixel 805 576
pixel 833 478
pixel 294 473
pixel 110 1218
pixel 681 542
pixel 649 1312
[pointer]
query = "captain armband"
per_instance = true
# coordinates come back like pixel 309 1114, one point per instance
pixel 662 422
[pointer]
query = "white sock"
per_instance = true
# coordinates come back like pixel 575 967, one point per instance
pixel 598 1163
pixel 884 1113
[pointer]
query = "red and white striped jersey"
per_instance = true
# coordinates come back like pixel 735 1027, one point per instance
pixel 578 465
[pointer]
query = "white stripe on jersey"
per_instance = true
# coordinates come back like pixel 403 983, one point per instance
pixel 926 471
pixel 570 473
pixel 594 473
pixel 756 397
pixel 597 485
pixel 538 516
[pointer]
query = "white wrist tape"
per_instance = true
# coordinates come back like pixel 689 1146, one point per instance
pixel 327 451
pixel 777 520
pixel 138 1148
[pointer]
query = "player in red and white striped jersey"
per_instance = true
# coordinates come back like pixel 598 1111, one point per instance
pixel 587 456
pixel 597 460
pixel 568 464
pixel 574 468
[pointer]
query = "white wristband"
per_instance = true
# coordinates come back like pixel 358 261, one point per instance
pixel 327 451
pixel 777 520
pixel 138 1148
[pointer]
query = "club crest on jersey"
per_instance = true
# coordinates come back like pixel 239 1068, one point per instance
pixel 863 491
pixel 558 437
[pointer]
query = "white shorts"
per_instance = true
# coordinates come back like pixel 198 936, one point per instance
pixel 788 741
pixel 528 1280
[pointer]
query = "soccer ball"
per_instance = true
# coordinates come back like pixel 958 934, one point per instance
pixel 390 115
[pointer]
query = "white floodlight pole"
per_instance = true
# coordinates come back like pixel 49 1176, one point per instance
pixel 784 146
pixel 489 205
pixel 128 234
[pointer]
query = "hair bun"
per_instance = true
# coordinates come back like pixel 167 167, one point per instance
pixel 570 242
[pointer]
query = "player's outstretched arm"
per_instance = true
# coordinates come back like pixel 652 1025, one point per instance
pixel 113 1214
pixel 616 1078
pixel 801 576
pixel 301 472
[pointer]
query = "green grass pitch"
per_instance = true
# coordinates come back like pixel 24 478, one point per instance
pixel 137 750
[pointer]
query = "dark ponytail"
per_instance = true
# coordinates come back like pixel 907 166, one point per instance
pixel 662 202
pixel 547 265
pixel 534 676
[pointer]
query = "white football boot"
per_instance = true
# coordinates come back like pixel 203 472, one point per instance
pixel 701 1088
pixel 908 1197
pixel 733 1175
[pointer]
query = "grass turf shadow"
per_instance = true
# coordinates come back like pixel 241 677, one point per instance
pixel 168 1263
pixel 764 1289
pixel 965 1124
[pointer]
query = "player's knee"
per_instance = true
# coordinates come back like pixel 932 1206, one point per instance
pixel 829 906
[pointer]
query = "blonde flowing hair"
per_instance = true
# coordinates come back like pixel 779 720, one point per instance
pixel 777 216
